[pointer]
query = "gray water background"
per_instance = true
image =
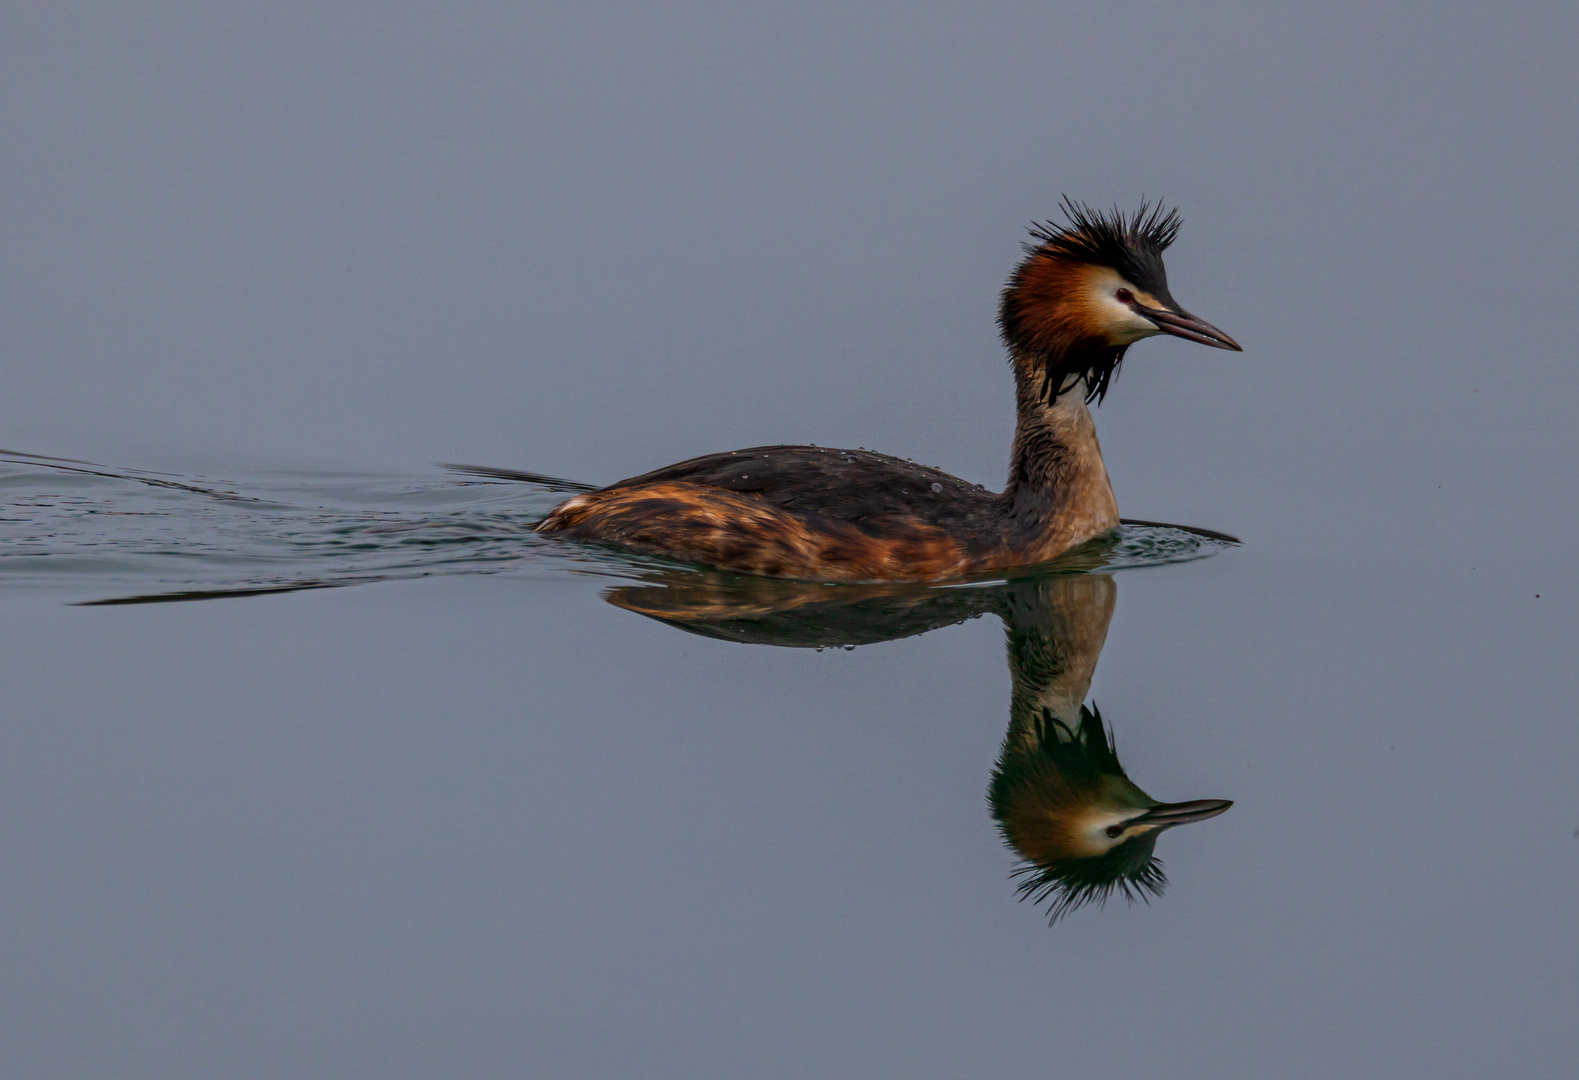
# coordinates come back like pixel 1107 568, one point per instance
pixel 487 825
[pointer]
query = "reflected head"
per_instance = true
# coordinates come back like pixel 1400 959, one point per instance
pixel 1063 802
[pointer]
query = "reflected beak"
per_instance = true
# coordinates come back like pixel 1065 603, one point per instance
pixel 1167 815
pixel 1182 324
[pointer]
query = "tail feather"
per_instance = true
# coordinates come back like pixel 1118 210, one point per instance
pixel 552 483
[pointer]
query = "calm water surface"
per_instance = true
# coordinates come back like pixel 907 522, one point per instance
pixel 513 808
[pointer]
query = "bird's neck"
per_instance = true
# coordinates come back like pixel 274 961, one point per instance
pixel 1055 627
pixel 1058 495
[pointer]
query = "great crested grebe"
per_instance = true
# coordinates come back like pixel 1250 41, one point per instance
pixel 1085 292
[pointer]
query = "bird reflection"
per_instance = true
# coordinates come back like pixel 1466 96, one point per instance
pixel 1061 799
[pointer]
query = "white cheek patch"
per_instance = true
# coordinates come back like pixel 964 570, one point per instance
pixel 1122 324
pixel 1090 832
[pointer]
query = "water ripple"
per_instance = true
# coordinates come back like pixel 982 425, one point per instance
pixel 134 535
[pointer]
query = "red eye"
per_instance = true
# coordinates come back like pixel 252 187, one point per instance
pixel 1124 296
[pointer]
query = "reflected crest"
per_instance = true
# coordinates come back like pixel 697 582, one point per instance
pixel 1061 799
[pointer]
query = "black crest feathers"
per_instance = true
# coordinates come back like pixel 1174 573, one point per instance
pixel 1064 766
pixel 1132 244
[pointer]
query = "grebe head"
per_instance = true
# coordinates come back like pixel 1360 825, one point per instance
pixel 1083 827
pixel 1089 290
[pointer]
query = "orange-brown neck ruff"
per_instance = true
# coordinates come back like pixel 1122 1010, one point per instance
pixel 1054 330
